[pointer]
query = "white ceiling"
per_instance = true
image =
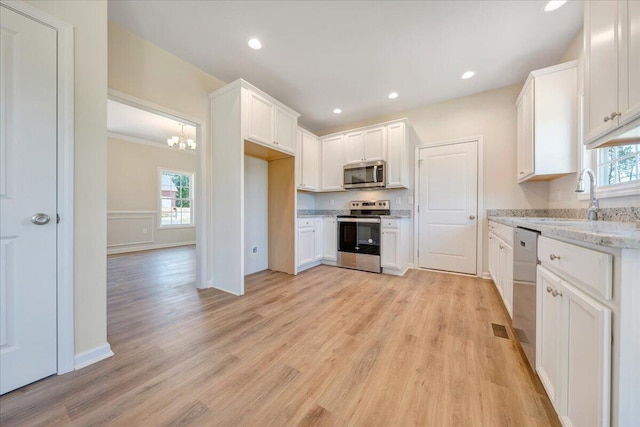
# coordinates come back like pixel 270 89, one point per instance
pixel 319 55
pixel 131 121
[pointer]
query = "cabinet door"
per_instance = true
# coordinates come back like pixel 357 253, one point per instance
pixel 286 125
pixel 306 245
pixel 548 334
pixel 587 367
pixel 396 156
pixel 506 276
pixel 493 259
pixel 330 232
pixel 310 161
pixel 390 248
pixel 601 68
pixel 332 163
pixel 375 143
pixel 526 136
pixel 260 119
pixel 629 97
pixel 299 159
pixel 354 147
pixel 319 235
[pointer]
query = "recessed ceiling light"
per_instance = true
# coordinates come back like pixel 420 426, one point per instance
pixel 553 5
pixel 255 44
pixel 337 111
pixel 468 74
pixel 393 95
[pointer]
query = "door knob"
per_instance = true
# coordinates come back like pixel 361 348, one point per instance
pixel 472 217
pixel 40 219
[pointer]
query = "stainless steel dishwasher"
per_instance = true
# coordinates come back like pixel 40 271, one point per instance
pixel 525 262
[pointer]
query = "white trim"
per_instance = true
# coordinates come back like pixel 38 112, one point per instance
pixel 480 215
pixel 65 187
pixel 131 213
pixel 486 276
pixel 394 272
pixel 201 210
pixel 94 355
pixel 125 248
pixel 149 143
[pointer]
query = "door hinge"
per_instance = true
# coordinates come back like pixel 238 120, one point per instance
pixel 57 218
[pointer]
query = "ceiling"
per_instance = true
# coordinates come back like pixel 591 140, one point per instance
pixel 321 55
pixel 126 120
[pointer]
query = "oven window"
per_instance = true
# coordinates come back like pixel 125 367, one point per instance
pixel 359 237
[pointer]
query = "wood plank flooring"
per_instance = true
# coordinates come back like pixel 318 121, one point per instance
pixel 329 347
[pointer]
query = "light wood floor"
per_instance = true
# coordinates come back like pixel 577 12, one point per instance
pixel 329 347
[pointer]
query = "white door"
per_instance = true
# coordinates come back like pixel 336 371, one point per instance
pixel 448 207
pixel 28 145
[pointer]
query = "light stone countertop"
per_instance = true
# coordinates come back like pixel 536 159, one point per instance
pixel 613 234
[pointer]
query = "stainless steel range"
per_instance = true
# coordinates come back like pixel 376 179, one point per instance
pixel 359 235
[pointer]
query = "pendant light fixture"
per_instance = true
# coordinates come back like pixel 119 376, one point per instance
pixel 181 143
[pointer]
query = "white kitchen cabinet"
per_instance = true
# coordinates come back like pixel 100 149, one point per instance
pixel 306 245
pixel 365 145
pixel 611 69
pixel 308 154
pixel 390 248
pixel 318 239
pixel 330 233
pixel 269 124
pixel 547 109
pixel 332 163
pixel 501 262
pixel 397 155
pixel 573 339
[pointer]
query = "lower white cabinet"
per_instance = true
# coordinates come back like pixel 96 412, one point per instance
pixel 306 244
pixel 319 239
pixel 330 233
pixel 573 348
pixel 501 268
pixel 394 245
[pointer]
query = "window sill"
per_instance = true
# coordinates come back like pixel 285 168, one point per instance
pixel 618 190
pixel 172 227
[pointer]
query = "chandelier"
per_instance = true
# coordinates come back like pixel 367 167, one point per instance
pixel 181 142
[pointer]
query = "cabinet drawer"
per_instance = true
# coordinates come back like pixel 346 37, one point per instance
pixel 503 231
pixel 306 222
pixel 390 223
pixel 592 269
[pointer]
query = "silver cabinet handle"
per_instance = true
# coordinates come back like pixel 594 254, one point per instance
pixel 554 257
pixel 472 217
pixel 555 293
pixel 606 118
pixel 40 219
pixel 549 289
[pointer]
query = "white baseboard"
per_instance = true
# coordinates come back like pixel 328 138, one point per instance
pixel 308 266
pixel 92 356
pixel 486 276
pixel 138 248
pixel 394 272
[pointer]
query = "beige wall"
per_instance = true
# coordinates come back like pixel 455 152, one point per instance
pixel 89 19
pixel 132 187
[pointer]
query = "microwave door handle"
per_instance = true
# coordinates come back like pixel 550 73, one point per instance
pixel 375 174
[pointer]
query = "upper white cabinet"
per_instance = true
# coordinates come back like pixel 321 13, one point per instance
pixel 397 155
pixel 547 113
pixel 308 157
pixel 612 69
pixel 365 145
pixel 386 141
pixel 332 162
pixel 268 123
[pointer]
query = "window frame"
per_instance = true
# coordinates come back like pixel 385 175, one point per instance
pixel 192 176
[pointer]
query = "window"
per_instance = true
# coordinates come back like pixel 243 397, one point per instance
pixel 618 165
pixel 176 198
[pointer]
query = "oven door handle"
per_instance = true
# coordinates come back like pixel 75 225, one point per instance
pixel 368 220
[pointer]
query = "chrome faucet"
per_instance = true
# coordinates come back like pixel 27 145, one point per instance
pixel 592 212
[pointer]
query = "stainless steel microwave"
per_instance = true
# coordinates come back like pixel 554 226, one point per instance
pixel 365 175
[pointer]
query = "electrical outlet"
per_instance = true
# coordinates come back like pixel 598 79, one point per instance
pixel 332 202
pixel 398 201
pixel 254 250
pixel 145 231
